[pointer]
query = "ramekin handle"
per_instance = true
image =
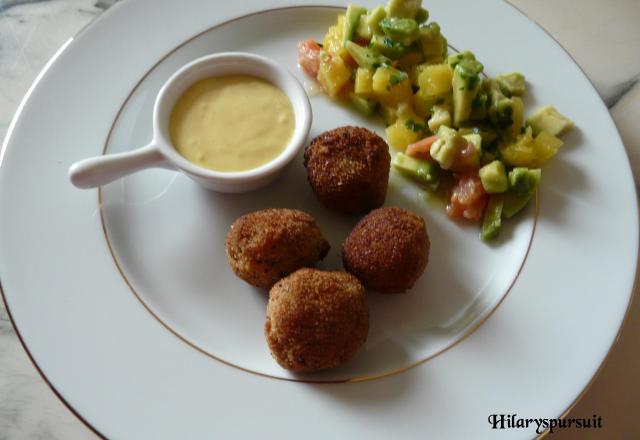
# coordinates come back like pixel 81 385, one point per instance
pixel 100 170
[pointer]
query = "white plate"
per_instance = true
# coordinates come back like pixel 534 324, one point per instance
pixel 100 285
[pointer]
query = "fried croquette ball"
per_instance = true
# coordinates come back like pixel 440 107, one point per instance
pixel 264 246
pixel 387 250
pixel 348 169
pixel 316 319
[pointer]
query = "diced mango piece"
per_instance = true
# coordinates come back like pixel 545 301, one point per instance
pixel 521 152
pixel 435 80
pixel 399 135
pixel 549 119
pixel 391 86
pixel 333 75
pixel 546 146
pixel 364 81
pixel 332 42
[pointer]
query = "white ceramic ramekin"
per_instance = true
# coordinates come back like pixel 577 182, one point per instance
pixel 96 171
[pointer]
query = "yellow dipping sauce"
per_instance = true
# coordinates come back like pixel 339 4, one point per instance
pixel 231 123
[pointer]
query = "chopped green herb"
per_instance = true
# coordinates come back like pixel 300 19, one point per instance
pixel 397 78
pixel 414 126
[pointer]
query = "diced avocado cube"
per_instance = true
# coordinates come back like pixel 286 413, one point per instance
pixel 549 119
pixel 424 172
pixel 373 19
pixel 501 114
pixel 433 44
pixel 492 220
pixel 479 106
pixel 513 203
pixel 441 117
pixel 487 133
pixel 365 57
pixel 507 115
pixel 448 145
pixel 403 8
pixel 511 84
pixel 364 106
pixel 421 16
pixel 494 177
pixel 475 139
pixel 466 84
pixel 456 58
pixel 387 47
pixel 402 30
pixel 363 31
pixel 524 180
pixel 494 94
pixel 351 22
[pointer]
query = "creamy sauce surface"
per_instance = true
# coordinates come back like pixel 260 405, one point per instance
pixel 231 123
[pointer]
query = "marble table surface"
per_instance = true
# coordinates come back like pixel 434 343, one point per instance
pixel 603 38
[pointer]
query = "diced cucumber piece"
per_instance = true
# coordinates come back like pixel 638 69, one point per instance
pixel 365 57
pixel 511 84
pixel 403 30
pixel 363 31
pixel 523 183
pixel 549 119
pixel 364 106
pixel 373 19
pixel 466 84
pixel 492 220
pixel 494 177
pixel 524 180
pixel 513 203
pixel 424 172
pixel 351 22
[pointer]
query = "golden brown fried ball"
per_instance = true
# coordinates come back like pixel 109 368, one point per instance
pixel 388 250
pixel 266 245
pixel 316 319
pixel 348 169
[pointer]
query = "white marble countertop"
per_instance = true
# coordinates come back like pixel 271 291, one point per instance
pixel 603 38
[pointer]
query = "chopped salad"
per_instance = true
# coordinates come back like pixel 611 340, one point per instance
pixel 445 118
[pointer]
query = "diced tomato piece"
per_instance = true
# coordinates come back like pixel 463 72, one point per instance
pixel 309 57
pixel 362 42
pixel 468 198
pixel 421 148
